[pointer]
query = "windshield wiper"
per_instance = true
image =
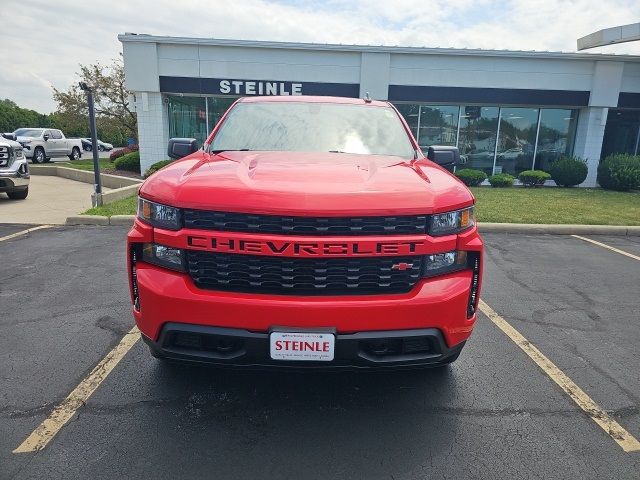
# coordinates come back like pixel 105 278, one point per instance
pixel 230 150
pixel 336 151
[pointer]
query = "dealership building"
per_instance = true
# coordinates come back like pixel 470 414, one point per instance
pixel 507 111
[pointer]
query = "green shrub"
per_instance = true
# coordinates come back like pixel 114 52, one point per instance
pixel 471 177
pixel 501 180
pixel 569 171
pixel 129 162
pixel 619 172
pixel 533 178
pixel 155 167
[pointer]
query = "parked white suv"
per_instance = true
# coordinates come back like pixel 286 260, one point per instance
pixel 43 144
pixel 14 171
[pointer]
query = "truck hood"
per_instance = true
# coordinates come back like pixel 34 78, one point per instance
pixel 301 183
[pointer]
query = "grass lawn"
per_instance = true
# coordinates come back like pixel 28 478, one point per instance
pixel 126 206
pixel 588 206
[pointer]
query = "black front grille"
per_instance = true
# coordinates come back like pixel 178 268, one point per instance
pixel 285 225
pixel 303 276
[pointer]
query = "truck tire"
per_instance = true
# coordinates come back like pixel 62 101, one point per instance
pixel 38 155
pixel 75 154
pixel 18 194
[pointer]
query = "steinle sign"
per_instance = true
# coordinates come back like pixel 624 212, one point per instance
pixel 249 87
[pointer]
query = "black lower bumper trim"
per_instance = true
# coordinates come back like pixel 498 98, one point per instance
pixel 242 348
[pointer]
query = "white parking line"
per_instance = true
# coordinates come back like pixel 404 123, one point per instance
pixel 64 411
pixel 623 438
pixel 608 247
pixel 24 232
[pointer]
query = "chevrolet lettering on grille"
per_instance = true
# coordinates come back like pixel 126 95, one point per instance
pixel 293 248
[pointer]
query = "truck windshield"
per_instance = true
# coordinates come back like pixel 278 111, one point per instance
pixel 28 132
pixel 314 127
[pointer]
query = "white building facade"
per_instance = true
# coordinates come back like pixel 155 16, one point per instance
pixel 506 111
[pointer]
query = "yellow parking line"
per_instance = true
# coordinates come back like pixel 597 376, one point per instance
pixel 24 232
pixel 623 438
pixel 64 411
pixel 609 247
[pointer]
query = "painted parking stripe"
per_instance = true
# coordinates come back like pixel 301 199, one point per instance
pixel 64 411
pixel 24 232
pixel 622 437
pixel 609 247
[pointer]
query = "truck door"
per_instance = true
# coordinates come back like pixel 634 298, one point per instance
pixel 59 143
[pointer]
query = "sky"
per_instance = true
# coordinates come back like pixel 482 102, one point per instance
pixel 44 42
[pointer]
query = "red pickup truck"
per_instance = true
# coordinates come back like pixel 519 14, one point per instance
pixel 307 232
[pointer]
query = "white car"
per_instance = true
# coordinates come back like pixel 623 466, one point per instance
pixel 43 144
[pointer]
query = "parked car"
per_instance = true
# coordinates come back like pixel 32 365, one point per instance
pixel 308 231
pixel 102 146
pixel 43 144
pixel 14 171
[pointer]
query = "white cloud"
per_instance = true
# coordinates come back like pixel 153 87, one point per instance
pixel 47 44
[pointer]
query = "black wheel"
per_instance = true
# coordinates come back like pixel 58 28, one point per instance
pixel 100 148
pixel 18 194
pixel 87 148
pixel 75 154
pixel 47 159
pixel 38 155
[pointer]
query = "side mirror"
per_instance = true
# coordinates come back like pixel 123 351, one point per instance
pixel 10 136
pixel 444 156
pixel 181 147
pixel 45 136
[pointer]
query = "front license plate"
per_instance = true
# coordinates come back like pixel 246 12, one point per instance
pixel 300 346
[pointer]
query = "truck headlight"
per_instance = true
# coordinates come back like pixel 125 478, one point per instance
pixel 441 263
pixel 452 222
pixel 163 256
pixel 158 215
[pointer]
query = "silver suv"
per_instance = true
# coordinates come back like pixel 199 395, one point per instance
pixel 14 171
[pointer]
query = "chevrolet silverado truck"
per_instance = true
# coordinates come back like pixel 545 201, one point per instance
pixel 43 144
pixel 14 171
pixel 307 232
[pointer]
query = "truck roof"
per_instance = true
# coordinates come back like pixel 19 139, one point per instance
pixel 313 99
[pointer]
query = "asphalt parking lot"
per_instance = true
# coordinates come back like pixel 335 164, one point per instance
pixel 493 414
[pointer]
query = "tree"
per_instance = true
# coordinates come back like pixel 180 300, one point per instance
pixel 110 95
pixel 13 117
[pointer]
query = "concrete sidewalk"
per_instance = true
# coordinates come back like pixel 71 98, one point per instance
pixel 51 200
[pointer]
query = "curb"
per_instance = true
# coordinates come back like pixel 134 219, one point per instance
pixel 518 228
pixel 558 229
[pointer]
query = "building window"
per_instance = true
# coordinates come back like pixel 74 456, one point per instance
pixel 556 136
pixel 516 140
pixel 477 140
pixel 188 117
pixel 411 113
pixel 622 133
pixel 438 125
pixel 195 117
pixel 523 133
pixel 216 108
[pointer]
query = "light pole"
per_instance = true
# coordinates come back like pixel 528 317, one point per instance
pixel 97 196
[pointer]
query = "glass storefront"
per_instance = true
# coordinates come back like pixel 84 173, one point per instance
pixel 622 133
pixel 516 140
pixel 432 125
pixel 496 139
pixel 556 136
pixel 195 117
pixel 477 141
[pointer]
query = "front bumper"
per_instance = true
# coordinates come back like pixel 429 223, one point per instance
pixel 242 348
pixel 15 177
pixel 168 298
